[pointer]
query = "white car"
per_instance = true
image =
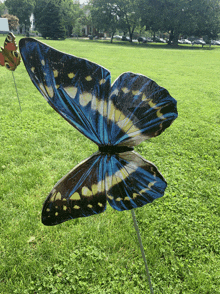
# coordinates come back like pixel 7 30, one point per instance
pixel 199 42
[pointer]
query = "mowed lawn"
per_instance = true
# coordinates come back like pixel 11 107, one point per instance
pixel 100 254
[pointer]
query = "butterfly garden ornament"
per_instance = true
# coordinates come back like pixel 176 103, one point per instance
pixel 9 56
pixel 115 117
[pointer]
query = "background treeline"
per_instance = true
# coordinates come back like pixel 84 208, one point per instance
pixel 60 18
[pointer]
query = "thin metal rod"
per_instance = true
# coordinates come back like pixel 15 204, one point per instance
pixel 142 250
pixel 16 91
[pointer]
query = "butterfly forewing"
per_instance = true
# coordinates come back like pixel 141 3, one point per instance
pixel 76 88
pixel 138 109
pixel 80 193
pixel 132 181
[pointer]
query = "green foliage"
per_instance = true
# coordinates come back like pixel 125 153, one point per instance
pixel 22 9
pixel 113 15
pixel 199 17
pixel 100 254
pixel 2 8
pixel 104 15
pixel 49 19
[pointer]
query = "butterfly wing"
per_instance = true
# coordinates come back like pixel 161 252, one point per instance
pixel 132 181
pixel 138 109
pixel 9 56
pixel 80 193
pixel 126 180
pixel 76 88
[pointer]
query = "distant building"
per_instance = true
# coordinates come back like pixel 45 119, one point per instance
pixel 4 28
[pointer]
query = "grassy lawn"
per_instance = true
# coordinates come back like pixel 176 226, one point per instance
pixel 100 254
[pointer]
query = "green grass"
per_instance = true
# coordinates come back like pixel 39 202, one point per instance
pixel 100 254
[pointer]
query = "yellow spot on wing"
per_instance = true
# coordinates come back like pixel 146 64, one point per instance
pixel 58 196
pixel 49 91
pixel 102 81
pixel 56 213
pixel 135 195
pixel 86 192
pixel 137 92
pixel 125 90
pixel 75 196
pixel 118 199
pixel 160 115
pixel 100 204
pixel 88 78
pixel 48 209
pixel 33 69
pixel 85 98
pixel 109 196
pixel 94 189
pixel 127 198
pixel 153 104
pixel 64 207
pixel 71 75
pixel 71 91
pixel 117 115
pixel 55 73
pixel 76 207
pixel 43 62
pixel 89 205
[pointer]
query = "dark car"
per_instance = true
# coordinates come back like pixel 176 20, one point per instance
pixel 124 38
pixel 142 39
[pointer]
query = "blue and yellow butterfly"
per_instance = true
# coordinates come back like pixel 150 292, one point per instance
pixel 116 118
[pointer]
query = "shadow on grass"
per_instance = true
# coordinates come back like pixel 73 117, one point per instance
pixel 150 45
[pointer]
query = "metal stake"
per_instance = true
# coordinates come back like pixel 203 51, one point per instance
pixel 16 91
pixel 142 250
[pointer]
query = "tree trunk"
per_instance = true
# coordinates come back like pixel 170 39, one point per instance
pixel 170 38
pixel 175 37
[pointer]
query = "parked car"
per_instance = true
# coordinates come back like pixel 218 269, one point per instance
pixel 149 40
pixel 160 40
pixel 184 41
pixel 142 39
pixel 117 37
pixel 199 42
pixel 124 38
pixel 214 42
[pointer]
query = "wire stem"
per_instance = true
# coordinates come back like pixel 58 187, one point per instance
pixel 16 91
pixel 142 250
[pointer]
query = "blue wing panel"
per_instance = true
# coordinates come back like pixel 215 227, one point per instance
pixel 138 109
pixel 132 181
pixel 76 88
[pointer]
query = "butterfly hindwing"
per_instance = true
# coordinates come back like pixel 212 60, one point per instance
pixel 126 180
pixel 9 56
pixel 80 193
pixel 138 109
pixel 76 88
pixel 132 181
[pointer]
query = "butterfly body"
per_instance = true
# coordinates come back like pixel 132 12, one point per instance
pixel 9 56
pixel 115 117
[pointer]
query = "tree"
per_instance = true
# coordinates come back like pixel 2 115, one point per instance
pixel 2 8
pixel 104 15
pixel 22 9
pixel 181 17
pixel 13 21
pixel 71 12
pixel 49 19
pixel 129 15
pixel 206 18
